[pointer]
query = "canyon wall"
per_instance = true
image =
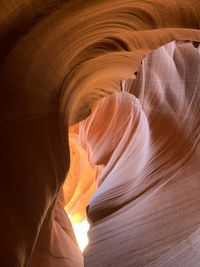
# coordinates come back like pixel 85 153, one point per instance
pixel 58 58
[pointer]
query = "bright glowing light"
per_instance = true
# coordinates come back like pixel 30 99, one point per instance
pixel 80 230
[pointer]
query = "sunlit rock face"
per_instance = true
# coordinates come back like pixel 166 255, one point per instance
pixel 141 146
pixel 81 181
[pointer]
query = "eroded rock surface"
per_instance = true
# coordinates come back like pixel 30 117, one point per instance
pixel 57 59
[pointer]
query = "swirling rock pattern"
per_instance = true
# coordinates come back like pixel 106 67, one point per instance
pixel 58 58
pixel 148 203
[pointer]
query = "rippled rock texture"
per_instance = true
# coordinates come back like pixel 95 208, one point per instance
pixel 136 173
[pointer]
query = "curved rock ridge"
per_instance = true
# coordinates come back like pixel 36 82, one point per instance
pixel 117 135
pixel 157 220
pixel 58 57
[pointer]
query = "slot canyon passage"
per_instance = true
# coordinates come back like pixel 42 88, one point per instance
pixel 100 120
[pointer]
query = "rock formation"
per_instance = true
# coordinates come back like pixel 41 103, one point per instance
pixel 137 151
